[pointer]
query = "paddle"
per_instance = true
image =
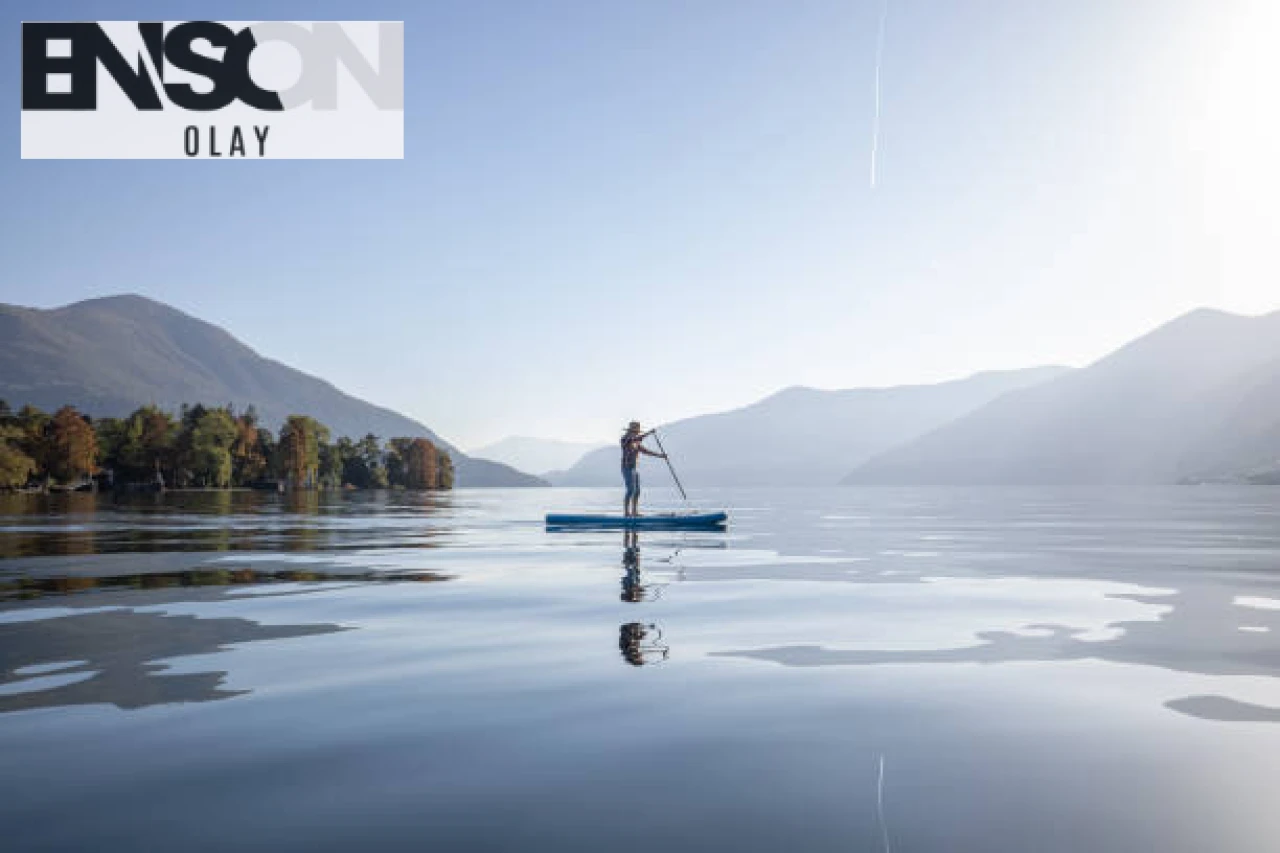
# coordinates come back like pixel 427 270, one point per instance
pixel 670 467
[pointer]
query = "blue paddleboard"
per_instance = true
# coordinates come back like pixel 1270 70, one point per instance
pixel 659 521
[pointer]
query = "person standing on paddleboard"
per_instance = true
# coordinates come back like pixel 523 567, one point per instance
pixel 632 446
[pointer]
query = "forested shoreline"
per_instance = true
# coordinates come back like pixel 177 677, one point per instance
pixel 204 447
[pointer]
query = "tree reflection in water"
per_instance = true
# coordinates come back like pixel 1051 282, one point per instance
pixel 122 656
pixel 26 588
pixel 217 520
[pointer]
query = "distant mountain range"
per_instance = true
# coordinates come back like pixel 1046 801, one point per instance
pixel 805 436
pixel 1196 399
pixel 535 455
pixel 108 356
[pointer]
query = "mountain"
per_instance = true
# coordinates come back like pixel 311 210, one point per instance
pixel 108 356
pixel 535 454
pixel 805 436
pixel 1197 398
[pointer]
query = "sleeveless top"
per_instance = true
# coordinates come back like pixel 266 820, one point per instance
pixel 630 450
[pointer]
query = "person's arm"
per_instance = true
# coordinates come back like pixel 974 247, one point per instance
pixel 646 450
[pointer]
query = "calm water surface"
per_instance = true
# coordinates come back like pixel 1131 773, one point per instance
pixel 842 670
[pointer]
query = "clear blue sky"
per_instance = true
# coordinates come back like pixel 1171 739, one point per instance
pixel 651 208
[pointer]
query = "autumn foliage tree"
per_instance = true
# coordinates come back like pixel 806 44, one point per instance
pixel 248 451
pixel 419 464
pixel 422 465
pixel 72 445
pixel 299 450
pixel 212 447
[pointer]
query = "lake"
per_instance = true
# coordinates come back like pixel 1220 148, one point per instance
pixel 846 669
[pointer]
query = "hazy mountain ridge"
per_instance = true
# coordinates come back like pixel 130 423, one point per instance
pixel 107 356
pixel 805 436
pixel 535 455
pixel 1195 398
pixel 1246 440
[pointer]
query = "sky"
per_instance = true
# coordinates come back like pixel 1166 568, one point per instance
pixel 654 209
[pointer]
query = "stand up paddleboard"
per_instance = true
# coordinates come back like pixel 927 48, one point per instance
pixel 657 521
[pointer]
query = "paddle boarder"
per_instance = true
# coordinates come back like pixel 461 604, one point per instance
pixel 632 446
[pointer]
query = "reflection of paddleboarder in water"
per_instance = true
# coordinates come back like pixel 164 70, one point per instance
pixel 630 636
pixel 632 588
pixel 641 644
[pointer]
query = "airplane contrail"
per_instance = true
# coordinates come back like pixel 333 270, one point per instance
pixel 884 828
pixel 875 124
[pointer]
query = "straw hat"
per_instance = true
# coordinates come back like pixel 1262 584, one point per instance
pixel 634 426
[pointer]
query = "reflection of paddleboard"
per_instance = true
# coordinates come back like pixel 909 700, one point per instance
pixel 663 521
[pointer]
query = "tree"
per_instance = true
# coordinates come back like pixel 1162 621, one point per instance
pixel 299 451
pixel 208 446
pixel 112 434
pixel 73 446
pixel 331 464
pixel 394 461
pixel 16 467
pixel 248 453
pixel 354 471
pixel 144 446
pixel 362 462
pixel 190 415
pixel 446 471
pixel 34 440
pixel 424 465
pixel 270 453
pixel 188 463
pixel 416 463
pixel 212 433
pixel 370 451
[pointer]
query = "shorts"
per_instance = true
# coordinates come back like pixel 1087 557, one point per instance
pixel 631 478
